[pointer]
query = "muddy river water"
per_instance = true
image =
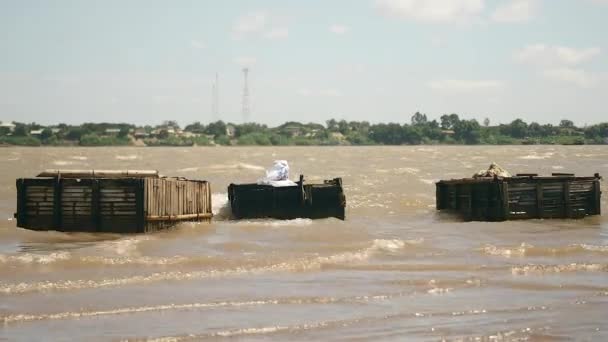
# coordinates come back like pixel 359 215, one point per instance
pixel 394 270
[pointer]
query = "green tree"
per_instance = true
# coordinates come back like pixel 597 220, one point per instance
pixel 217 128
pixel 419 119
pixel 566 124
pixel 449 121
pixel 124 132
pixel 468 131
pixel 518 128
pixel 20 130
pixel 46 134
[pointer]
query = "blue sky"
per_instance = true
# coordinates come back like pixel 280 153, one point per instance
pixel 376 60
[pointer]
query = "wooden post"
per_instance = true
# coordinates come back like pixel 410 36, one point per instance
pixel 21 203
pixel 539 200
pixel 567 206
pixel 505 201
pixel 438 196
pixel 597 193
pixel 96 205
pixel 57 212
pixel 468 202
pixel 302 193
pixel 139 205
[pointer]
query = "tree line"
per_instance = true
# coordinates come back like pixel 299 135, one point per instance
pixel 448 129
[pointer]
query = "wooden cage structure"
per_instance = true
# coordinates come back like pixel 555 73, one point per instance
pixel 109 201
pixel 524 196
pixel 288 202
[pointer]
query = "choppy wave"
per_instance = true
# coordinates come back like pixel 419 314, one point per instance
pixel 536 156
pixel 564 268
pixel 189 169
pixel 63 162
pixel 31 258
pixel 131 310
pixel 220 206
pixel 526 249
pixel 522 334
pixel 17 318
pixel 65 258
pixel 304 264
pixel 299 222
pixel 127 157
pixel 237 166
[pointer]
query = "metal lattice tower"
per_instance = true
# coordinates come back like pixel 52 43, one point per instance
pixel 246 110
pixel 215 106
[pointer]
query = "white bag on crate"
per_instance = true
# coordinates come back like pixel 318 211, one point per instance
pixel 277 175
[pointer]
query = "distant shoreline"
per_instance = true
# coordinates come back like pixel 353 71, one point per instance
pixel 449 130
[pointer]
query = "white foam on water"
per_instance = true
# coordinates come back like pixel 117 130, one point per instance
pixel 297 265
pixel 535 156
pixel 557 167
pixel 63 163
pixel 565 268
pixel 127 157
pixel 594 248
pixel 439 290
pixel 237 166
pixel 507 252
pixel 79 157
pixel 295 222
pixel 130 310
pixel 526 249
pixel 32 258
pixel 124 246
pixel 409 170
pixel 24 317
pixel 122 259
pixel 220 206
pixel 188 169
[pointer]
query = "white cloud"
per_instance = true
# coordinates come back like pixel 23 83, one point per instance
pixel 250 23
pixel 578 77
pixel 338 29
pixel 560 63
pixel 431 10
pixel 195 44
pixel 464 85
pixel 547 56
pixel 329 92
pixel 277 33
pixel 304 92
pixel 245 61
pixel 515 11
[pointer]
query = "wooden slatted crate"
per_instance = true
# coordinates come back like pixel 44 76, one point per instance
pixel 520 197
pixel 109 201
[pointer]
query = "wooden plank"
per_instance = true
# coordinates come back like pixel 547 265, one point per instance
pixel 567 206
pixel 179 217
pixel 597 193
pixel 505 201
pixel 140 207
pixel 80 174
pixel 57 209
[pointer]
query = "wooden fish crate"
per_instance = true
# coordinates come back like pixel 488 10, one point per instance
pixel 524 196
pixel 109 201
pixel 288 202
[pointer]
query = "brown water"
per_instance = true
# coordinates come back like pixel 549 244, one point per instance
pixel 394 270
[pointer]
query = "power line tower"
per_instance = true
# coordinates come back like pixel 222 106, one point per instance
pixel 246 110
pixel 215 94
